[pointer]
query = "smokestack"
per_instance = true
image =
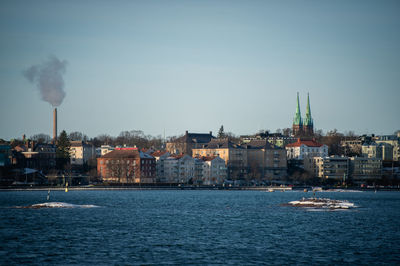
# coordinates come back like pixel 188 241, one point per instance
pixel 55 125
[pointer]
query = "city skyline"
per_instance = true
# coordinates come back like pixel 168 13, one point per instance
pixel 186 65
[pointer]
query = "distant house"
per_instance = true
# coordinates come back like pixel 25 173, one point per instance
pixel 333 167
pixel 341 168
pixel 179 168
pixel 188 142
pixel 214 170
pixel 382 150
pixel 81 152
pixel 127 165
pixel 363 168
pixel 265 160
pixel 394 141
pixel 38 156
pixel 276 139
pixel 5 155
pixel 104 149
pixel 160 157
pixel 235 156
pixel 304 148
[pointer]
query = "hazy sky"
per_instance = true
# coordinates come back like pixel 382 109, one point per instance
pixel 195 65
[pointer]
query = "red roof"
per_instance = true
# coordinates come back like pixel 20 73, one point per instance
pixel 158 153
pixel 122 153
pixel 308 143
pixel 208 158
pixel 177 156
pixel 126 149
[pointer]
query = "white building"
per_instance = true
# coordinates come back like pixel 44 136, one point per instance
pixel 306 149
pixel 81 152
pixel 179 168
pixel 394 141
pixel 160 157
pixel 379 150
pixel 198 171
pixel 214 170
pixel 106 149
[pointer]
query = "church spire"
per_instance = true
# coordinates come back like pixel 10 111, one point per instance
pixel 297 117
pixel 308 119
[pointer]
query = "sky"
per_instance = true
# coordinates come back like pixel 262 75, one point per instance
pixel 171 66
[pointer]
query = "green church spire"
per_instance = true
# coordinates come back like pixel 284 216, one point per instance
pixel 297 117
pixel 308 119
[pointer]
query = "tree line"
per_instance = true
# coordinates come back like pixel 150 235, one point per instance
pixel 138 138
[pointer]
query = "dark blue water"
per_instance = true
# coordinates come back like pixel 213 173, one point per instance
pixel 197 227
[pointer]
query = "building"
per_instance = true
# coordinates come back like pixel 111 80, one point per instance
pixel 265 161
pixel 127 165
pixel 179 169
pixel 38 156
pixel 363 168
pixel 351 146
pixel 105 149
pixel 198 171
pixel 276 139
pixel 332 168
pixel 5 155
pixel 188 142
pixel 171 170
pixel 160 157
pixel 235 156
pixel 383 151
pixel 394 141
pixel 304 148
pixel 81 152
pixel 214 170
pixel 148 170
pixel 303 127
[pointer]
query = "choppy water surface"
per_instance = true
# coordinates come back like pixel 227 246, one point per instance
pixel 197 227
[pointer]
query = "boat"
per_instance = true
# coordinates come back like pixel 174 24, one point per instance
pixel 322 203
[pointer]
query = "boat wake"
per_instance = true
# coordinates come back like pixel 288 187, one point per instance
pixel 320 204
pixel 55 205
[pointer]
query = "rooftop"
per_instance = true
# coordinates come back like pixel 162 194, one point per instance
pixel 220 144
pixel 308 143
pixel 258 144
pixel 122 153
pixel 195 137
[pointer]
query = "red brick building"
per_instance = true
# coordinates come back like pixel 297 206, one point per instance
pixel 127 165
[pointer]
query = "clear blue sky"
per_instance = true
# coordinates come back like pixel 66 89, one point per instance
pixel 195 65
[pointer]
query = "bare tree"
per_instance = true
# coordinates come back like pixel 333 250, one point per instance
pixel 79 136
pixel 41 138
pixel 105 139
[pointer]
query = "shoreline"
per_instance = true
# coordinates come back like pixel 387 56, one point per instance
pixel 266 189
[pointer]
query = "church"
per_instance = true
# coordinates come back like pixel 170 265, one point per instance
pixel 303 127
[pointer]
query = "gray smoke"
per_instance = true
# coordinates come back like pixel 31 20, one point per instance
pixel 48 79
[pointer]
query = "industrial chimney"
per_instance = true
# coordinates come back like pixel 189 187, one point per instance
pixel 55 125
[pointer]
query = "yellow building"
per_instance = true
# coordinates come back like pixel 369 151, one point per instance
pixel 265 160
pixel 234 156
pixel 257 159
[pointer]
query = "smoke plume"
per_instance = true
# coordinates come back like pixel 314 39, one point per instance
pixel 48 79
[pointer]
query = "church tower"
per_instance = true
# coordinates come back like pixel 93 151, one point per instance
pixel 308 125
pixel 297 127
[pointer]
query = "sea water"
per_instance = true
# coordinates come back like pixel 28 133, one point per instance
pixel 196 227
